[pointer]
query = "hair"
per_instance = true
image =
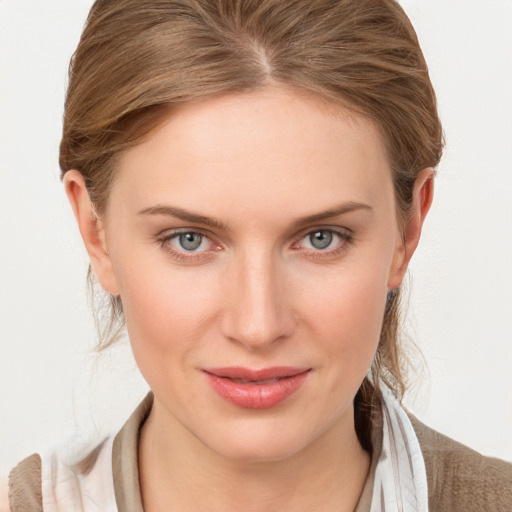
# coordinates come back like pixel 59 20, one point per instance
pixel 138 61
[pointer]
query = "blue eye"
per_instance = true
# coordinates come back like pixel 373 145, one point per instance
pixel 189 241
pixel 188 246
pixel 322 239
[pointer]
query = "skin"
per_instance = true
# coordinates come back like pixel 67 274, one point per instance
pixel 256 293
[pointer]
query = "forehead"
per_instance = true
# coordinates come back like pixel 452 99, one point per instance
pixel 275 146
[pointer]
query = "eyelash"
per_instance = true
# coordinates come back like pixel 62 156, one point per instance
pixel 178 255
pixel 346 239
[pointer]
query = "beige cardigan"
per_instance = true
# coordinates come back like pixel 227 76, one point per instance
pixel 459 479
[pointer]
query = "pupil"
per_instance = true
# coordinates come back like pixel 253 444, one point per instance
pixel 190 241
pixel 321 239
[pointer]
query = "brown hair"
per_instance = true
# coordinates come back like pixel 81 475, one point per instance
pixel 137 61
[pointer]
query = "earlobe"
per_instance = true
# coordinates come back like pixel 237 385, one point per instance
pixel 422 196
pixel 92 230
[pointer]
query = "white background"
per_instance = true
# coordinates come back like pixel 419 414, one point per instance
pixel 53 387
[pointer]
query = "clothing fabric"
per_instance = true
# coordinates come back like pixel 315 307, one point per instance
pixel 79 487
pixel 413 468
pixel 400 476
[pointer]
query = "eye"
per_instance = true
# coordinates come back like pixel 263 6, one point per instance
pixel 187 246
pixel 187 241
pixel 325 242
pixel 322 239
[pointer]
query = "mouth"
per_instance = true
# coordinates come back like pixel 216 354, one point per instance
pixel 256 389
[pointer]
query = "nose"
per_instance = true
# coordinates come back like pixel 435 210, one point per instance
pixel 258 306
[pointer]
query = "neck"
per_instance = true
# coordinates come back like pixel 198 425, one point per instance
pixel 177 471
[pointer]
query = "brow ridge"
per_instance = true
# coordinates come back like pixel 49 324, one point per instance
pixel 196 218
pixel 331 212
pixel 186 215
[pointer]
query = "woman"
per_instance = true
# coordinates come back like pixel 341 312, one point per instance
pixel 250 180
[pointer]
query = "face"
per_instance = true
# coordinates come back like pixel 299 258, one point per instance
pixel 253 239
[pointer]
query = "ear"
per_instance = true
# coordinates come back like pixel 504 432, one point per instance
pixel 422 196
pixel 92 230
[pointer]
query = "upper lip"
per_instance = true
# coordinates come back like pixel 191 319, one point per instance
pixel 239 372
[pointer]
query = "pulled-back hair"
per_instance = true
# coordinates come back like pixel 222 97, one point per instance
pixel 137 61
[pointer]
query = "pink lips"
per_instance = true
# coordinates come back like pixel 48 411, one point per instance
pixel 256 389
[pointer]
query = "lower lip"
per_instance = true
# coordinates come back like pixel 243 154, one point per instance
pixel 257 396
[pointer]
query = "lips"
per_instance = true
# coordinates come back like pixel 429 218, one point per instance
pixel 256 389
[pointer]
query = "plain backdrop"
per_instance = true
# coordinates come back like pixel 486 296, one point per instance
pixel 53 387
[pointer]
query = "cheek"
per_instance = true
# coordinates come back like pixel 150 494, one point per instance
pixel 351 294
pixel 346 311
pixel 167 310
pixel 361 309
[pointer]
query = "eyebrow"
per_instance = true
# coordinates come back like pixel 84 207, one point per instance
pixel 180 213
pixel 196 218
pixel 337 211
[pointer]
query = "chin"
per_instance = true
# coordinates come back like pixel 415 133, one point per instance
pixel 259 442
pixel 257 452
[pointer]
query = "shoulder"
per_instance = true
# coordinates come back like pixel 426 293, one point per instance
pixel 25 486
pixel 71 475
pixel 62 480
pixel 461 479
